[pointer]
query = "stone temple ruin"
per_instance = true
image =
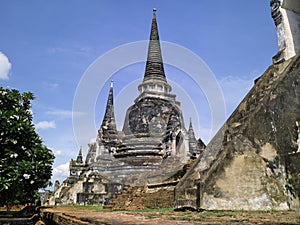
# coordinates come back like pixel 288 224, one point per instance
pixel 153 146
pixel 252 163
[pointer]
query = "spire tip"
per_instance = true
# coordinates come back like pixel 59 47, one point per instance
pixel 191 123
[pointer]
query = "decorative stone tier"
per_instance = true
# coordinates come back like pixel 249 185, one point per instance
pixel 144 150
pixel 126 174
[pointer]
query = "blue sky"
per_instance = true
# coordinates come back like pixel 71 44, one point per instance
pixel 47 46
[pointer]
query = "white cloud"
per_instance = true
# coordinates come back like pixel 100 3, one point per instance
pixel 5 67
pixel 69 50
pixel 60 172
pixel 43 125
pixel 64 113
pixel 57 152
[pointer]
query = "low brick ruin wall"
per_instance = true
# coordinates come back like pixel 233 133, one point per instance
pixel 50 217
pixel 20 221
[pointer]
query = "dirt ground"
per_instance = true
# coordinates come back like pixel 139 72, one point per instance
pixel 169 217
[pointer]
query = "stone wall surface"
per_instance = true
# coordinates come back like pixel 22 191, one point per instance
pixel 26 216
pixel 253 162
pixel 59 218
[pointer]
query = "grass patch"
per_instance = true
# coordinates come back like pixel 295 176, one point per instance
pixel 99 208
pixel 217 213
pixel 91 208
pixel 161 210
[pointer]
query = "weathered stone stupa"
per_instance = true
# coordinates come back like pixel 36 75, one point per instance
pixel 253 162
pixel 154 123
pixel 153 145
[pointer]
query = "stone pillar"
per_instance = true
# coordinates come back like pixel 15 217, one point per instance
pixel 286 16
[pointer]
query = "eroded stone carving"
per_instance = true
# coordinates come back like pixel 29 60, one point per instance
pixel 286 16
pixel 276 14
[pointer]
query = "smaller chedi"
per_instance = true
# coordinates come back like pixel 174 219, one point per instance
pixel 152 148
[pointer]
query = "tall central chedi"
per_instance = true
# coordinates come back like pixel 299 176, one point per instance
pixel 153 127
pixel 153 146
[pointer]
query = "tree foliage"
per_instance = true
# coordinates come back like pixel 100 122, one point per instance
pixel 25 163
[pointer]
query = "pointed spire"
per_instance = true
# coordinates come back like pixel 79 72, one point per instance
pixel 192 140
pixel 154 65
pixel 108 125
pixel 79 157
pixel 191 130
pixel 155 83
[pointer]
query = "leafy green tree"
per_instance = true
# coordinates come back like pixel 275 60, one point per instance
pixel 25 163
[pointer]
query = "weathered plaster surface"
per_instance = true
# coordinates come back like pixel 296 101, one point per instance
pixel 253 161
